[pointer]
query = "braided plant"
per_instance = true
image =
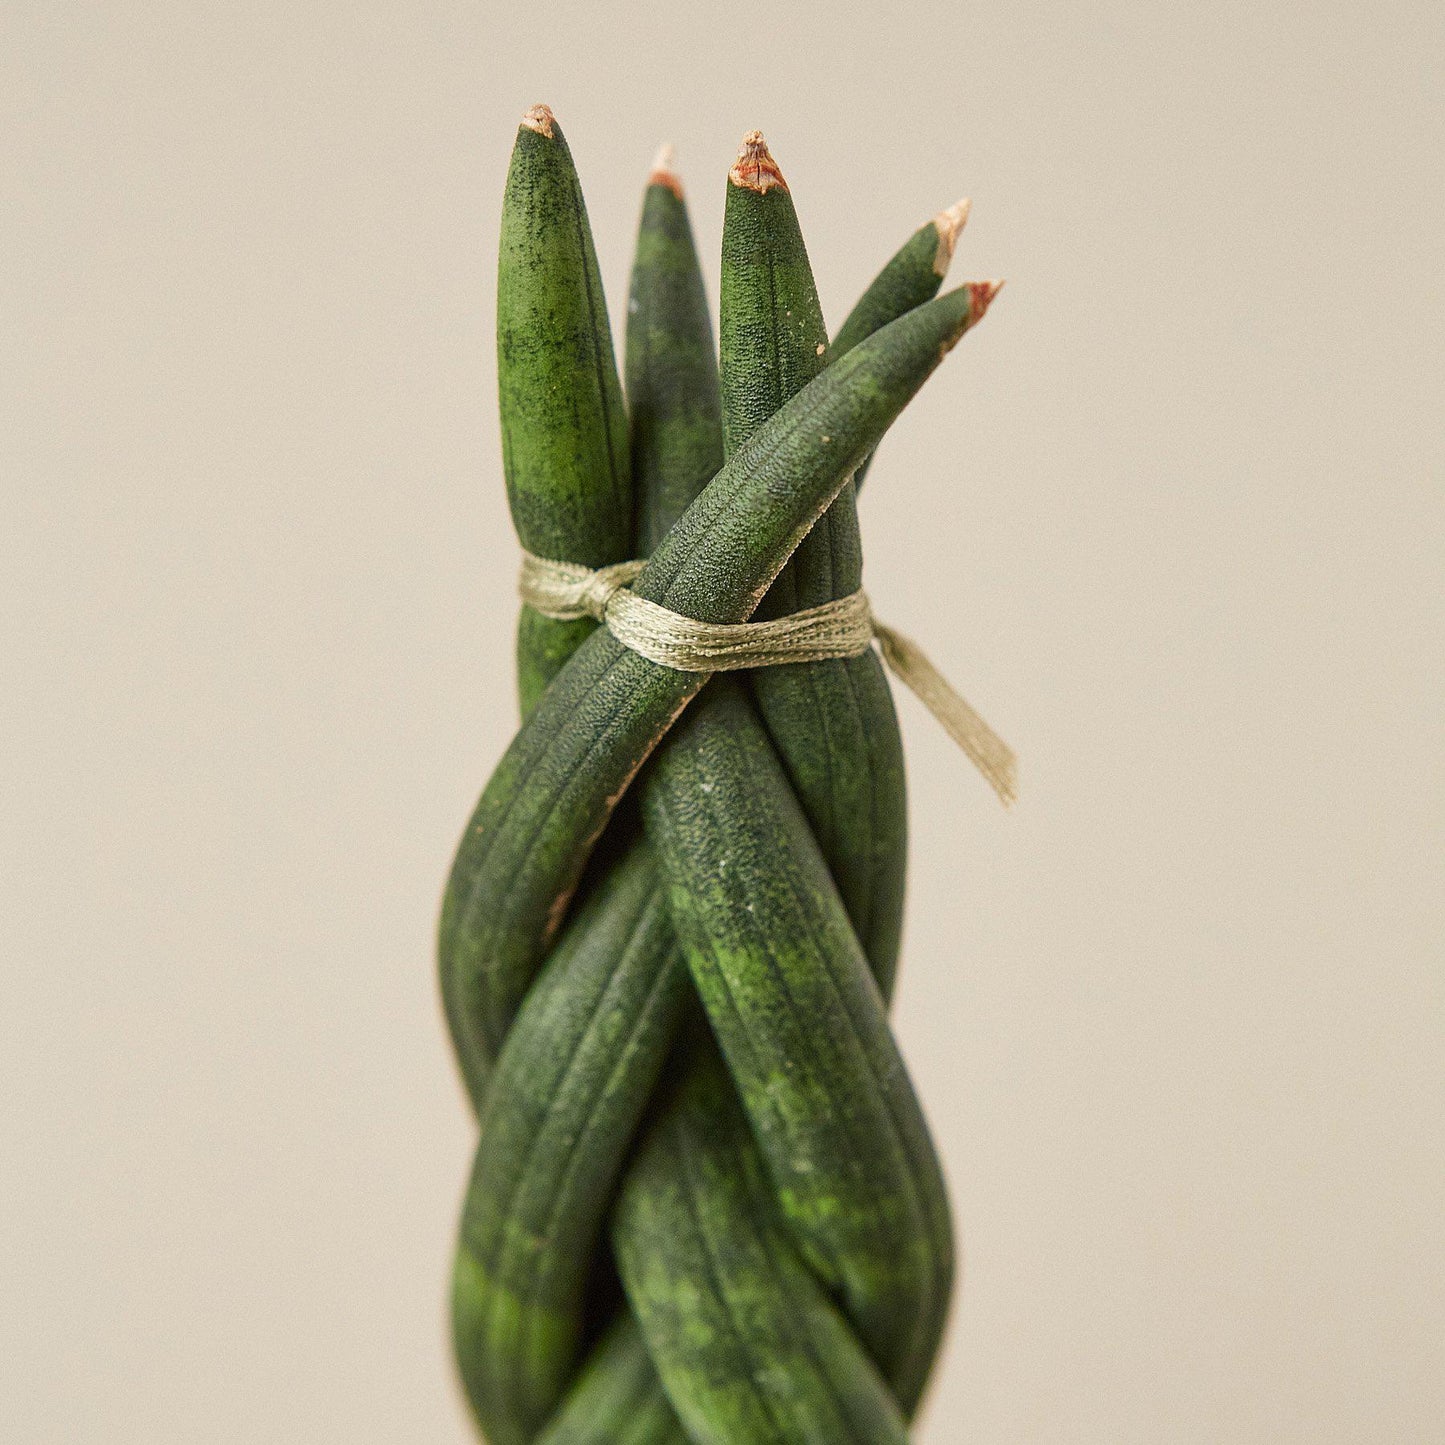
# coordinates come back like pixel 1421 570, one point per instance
pixel 705 1206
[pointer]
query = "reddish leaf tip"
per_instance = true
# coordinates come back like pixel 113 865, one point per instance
pixel 980 298
pixel 755 169
pixel 663 174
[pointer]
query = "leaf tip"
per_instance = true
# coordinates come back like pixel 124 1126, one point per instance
pixel 755 169
pixel 948 223
pixel 980 298
pixel 975 297
pixel 540 119
pixel 663 174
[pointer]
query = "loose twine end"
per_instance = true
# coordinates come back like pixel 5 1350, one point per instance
pixel 980 744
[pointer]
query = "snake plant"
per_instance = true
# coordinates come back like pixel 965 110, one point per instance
pixel 704 1204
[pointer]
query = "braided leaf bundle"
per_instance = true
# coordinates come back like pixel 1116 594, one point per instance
pixel 704 1205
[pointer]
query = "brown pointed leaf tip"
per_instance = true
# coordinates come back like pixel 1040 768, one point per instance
pixel 540 119
pixel 948 224
pixel 755 168
pixel 980 298
pixel 663 173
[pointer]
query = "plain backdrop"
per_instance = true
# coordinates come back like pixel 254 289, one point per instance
pixel 1172 519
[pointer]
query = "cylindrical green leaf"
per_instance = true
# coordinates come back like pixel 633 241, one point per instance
pixel 564 428
pixel 749 1344
pixel 672 375
pixel 911 277
pixel 803 1027
pixel 573 1076
pixel 832 722
pixel 617 1398
pixel 772 337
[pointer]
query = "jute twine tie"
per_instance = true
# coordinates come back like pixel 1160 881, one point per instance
pixel 567 591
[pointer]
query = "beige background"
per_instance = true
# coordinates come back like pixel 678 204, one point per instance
pixel 1172 518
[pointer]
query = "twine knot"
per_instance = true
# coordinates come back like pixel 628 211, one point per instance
pixel 568 591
